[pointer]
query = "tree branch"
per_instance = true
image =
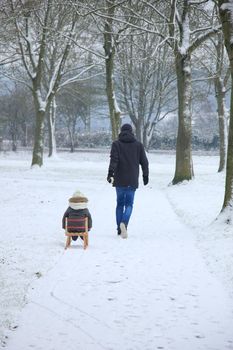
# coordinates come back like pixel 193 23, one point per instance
pixel 202 38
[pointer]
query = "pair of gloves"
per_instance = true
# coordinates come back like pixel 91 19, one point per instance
pixel 110 178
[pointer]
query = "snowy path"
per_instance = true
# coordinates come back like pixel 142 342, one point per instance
pixel 151 291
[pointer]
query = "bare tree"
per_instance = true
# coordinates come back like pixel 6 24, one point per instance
pixel 72 110
pixel 212 59
pixel 38 28
pixel 185 40
pixel 147 82
pixel 46 32
pixel 16 115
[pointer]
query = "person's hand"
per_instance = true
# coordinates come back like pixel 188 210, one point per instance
pixel 110 180
pixel 145 179
pixel 110 177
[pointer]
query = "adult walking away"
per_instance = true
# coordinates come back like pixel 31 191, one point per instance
pixel 126 155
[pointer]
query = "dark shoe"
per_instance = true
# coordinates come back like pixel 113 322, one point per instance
pixel 74 238
pixel 118 231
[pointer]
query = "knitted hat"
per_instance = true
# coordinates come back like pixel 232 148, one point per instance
pixel 78 197
pixel 127 127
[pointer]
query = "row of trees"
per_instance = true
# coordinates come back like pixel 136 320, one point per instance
pixel 151 53
pixel 72 114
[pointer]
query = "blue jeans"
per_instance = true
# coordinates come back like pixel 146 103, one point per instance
pixel 125 199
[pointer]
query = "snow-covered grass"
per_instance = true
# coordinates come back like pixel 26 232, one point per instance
pixel 151 291
pixel 198 204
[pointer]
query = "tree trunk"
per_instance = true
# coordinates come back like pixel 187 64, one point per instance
pixel 226 15
pixel 14 132
pixel 220 95
pixel 25 134
pixel 146 138
pixel 109 47
pixel 71 144
pixel 70 129
pixel 113 109
pixel 14 143
pixel 51 128
pixel 14 138
pixel 228 198
pixel 139 129
pixel 184 168
pixel 148 132
pixel 37 155
pixel 114 113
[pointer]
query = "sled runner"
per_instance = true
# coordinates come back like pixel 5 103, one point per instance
pixel 77 227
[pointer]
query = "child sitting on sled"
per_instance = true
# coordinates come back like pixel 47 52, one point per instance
pixel 77 209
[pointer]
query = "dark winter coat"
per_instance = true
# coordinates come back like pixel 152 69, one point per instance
pixel 77 214
pixel 126 155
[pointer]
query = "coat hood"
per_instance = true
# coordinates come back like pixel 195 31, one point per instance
pixel 126 136
pixel 78 197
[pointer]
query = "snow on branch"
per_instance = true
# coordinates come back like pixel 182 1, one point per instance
pixel 116 107
pixel 165 40
pixel 84 48
pixel 178 18
pixel 22 51
pixel 167 113
pixel 11 77
pixel 200 2
pixel 76 77
pixel 200 39
pixel 131 24
pixel 174 15
pixel 32 57
pixel 42 103
pixel 204 79
pixel 8 60
pixel 185 32
pixel 156 10
pixel 228 7
pixel 94 11
pixel 54 78
pixel 200 30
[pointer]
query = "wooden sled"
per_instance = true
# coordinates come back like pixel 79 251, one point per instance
pixel 72 228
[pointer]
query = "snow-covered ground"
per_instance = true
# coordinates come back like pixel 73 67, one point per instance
pixel 168 286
